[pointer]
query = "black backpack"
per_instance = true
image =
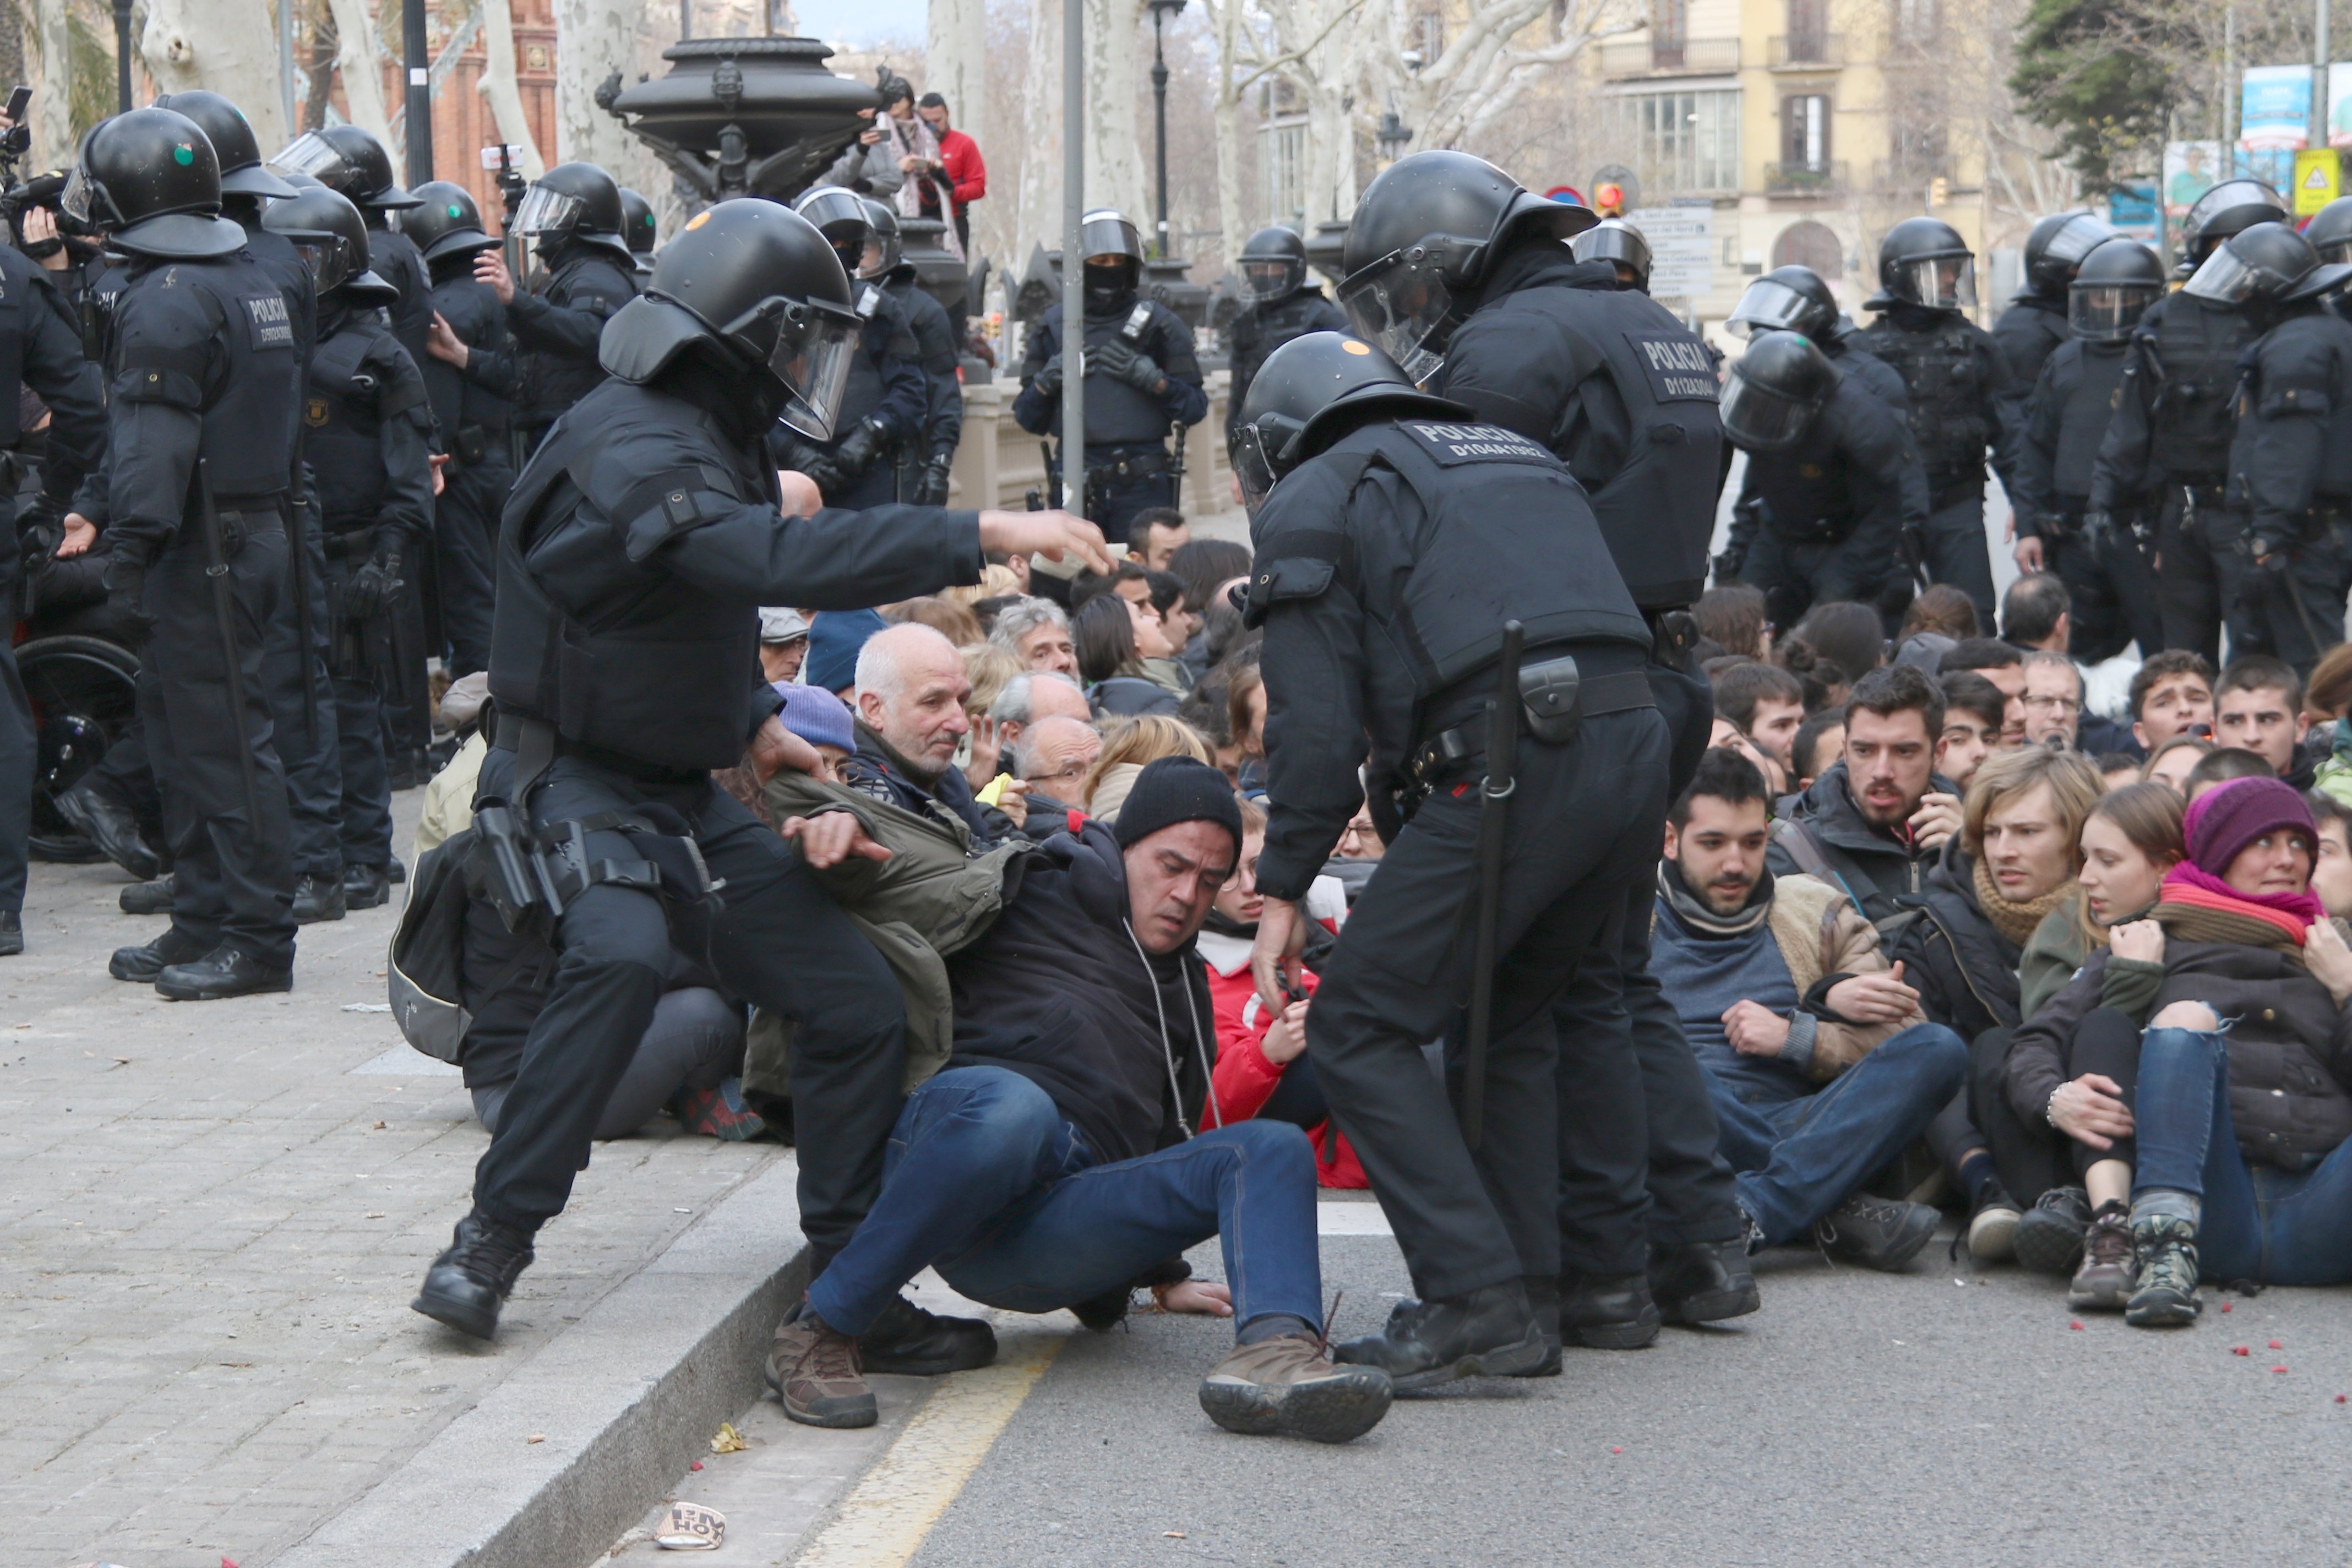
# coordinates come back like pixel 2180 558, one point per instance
pixel 428 948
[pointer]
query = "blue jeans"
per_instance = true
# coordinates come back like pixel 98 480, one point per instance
pixel 986 1182
pixel 2282 1228
pixel 1798 1158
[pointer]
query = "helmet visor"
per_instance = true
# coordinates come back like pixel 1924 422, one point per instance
pixel 814 345
pixel 2076 238
pixel 312 154
pixel 2336 249
pixel 1269 279
pixel 1771 307
pixel 2223 278
pixel 1943 282
pixel 2106 312
pixel 81 198
pixel 543 211
pixel 1402 303
pixel 1759 419
pixel 1253 467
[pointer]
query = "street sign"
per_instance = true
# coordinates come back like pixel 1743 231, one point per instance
pixel 1682 249
pixel 2318 179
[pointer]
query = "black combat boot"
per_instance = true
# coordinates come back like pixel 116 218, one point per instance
pixel 365 887
pixel 110 828
pixel 149 898
pixel 907 1340
pixel 223 972
pixel 12 933
pixel 1490 1332
pixel 472 1279
pixel 144 963
pixel 318 898
pixel 1702 1281
pixel 1607 1311
pixel 1543 1296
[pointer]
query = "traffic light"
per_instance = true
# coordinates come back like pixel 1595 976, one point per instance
pixel 1939 192
pixel 1609 199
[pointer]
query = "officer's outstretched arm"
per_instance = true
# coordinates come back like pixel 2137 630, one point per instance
pixel 571 329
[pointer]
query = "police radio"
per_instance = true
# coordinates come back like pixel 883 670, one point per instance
pixel 1137 321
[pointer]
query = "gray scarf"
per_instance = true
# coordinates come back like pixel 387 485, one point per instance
pixel 1698 917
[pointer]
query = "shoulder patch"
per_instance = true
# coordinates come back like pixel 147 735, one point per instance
pixel 1449 444
pixel 1677 366
pixel 267 321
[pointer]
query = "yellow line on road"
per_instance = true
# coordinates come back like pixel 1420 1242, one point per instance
pixel 887 1515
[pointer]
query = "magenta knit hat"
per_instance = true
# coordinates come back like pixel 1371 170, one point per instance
pixel 2224 820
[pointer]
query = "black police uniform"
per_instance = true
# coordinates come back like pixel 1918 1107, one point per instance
pixel 924 462
pixel 366 427
pixel 882 408
pixel 475 411
pixel 1128 466
pixel 2291 480
pixel 1385 568
pixel 1620 389
pixel 557 327
pixel 393 257
pixel 206 367
pixel 2027 334
pixel 1959 382
pixel 1258 330
pixel 40 348
pixel 2167 453
pixel 1825 518
pixel 639 543
pixel 2109 580
pixel 1842 346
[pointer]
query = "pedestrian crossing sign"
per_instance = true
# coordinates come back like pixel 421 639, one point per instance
pixel 2318 179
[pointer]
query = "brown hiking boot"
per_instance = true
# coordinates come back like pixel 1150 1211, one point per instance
pixel 815 1371
pixel 1290 1387
pixel 2103 1283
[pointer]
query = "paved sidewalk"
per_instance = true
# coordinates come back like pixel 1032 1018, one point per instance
pixel 211 1217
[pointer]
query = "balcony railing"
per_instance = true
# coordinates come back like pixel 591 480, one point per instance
pixel 1806 51
pixel 1687 57
pixel 1801 179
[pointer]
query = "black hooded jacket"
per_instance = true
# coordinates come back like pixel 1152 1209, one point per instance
pixel 1965 970
pixel 1875 869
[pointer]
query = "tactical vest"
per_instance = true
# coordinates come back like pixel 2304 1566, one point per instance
pixel 1260 329
pixel 16 297
pixel 248 443
pixel 664 681
pixel 2308 341
pixel 1803 493
pixel 861 394
pixel 1941 367
pixel 2082 422
pixel 1506 533
pixel 342 422
pixel 1118 415
pixel 2194 415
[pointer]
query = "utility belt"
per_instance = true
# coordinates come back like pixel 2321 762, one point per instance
pixel 474 445
pixel 1946 486
pixel 1674 635
pixel 348 539
pixel 1555 698
pixel 1142 464
pixel 246 517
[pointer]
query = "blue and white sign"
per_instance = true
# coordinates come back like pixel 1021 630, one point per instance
pixel 2275 107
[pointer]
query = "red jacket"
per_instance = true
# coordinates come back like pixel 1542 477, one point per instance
pixel 959 157
pixel 1244 1079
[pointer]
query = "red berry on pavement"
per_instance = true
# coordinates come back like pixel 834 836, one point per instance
pixel 2073 1322
pixel 2276 1346
pixel 2339 1399
pixel 695 1466
pixel 2225 1306
pixel 2278 1368
pixel 1616 1450
pixel 2239 1350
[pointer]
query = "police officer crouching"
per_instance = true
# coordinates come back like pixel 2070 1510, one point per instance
pixel 926 463
pixel 1797 299
pixel 884 403
pixel 366 421
pixel 1390 521
pixel 1142 379
pixel 641 540
pixel 206 383
pixel 1277 305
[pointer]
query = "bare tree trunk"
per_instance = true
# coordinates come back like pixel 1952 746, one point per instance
pixel 593 39
pixel 956 63
pixel 498 86
pixel 53 142
pixel 1114 156
pixel 362 75
pixel 1228 15
pixel 228 47
pixel 1039 221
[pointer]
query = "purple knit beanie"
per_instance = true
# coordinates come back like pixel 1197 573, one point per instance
pixel 2223 820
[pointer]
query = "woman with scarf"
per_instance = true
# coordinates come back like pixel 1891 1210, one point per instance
pixel 2243 1102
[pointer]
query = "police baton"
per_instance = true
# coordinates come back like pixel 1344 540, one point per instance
pixel 225 609
pixel 1494 817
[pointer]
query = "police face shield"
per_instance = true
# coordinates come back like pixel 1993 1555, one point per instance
pixel 1402 303
pixel 872 261
pixel 85 200
pixel 2106 312
pixel 2227 280
pixel 1759 419
pixel 1255 450
pixel 1771 307
pixel 1265 280
pixel 2076 240
pixel 542 211
pixel 312 154
pixel 2335 249
pixel 1939 282
pixel 815 341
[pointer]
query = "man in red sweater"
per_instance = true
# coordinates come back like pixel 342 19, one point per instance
pixel 959 161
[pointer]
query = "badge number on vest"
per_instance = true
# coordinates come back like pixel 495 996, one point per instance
pixel 1679 368
pixel 273 326
pixel 1450 444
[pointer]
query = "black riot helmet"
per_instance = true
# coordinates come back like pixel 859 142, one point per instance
pixel 2229 209
pixel 1924 261
pixel 2266 264
pixel 573 202
pixel 886 247
pixel 1614 239
pixel 329 232
pixel 1273 266
pixel 1424 232
pixel 149 180
pixel 2056 246
pixel 755 281
pixel 1298 400
pixel 2330 230
pixel 345 158
pixel 445 222
pixel 2113 287
pixel 1775 392
pixel 1112 251
pixel 841 216
pixel 638 230
pixel 243 174
pixel 1787 298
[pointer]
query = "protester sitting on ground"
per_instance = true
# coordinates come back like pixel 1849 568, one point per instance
pixel 1974 710
pixel 824 721
pixel 1734 618
pixel 449 794
pixel 990 670
pixel 2331 869
pixel 2171 694
pixel 1764 702
pixel 2237 936
pixel 1053 757
pixel 2117 769
pixel 2327 689
pixel 1262 1067
pixel 2013 863
pixel 1156 533
pixel 2171 762
pixel 1113 637
pixel 1055 1163
pixel 1870 825
pixel 2258 704
pixel 1820 1064
pixel 1849 635
pixel 2003 664
pixel 1820 742
pixel 688 1062
pixel 2037 613
pixel 1037 633
pixel 2221 766
pixel 1726 735
pixel 995 583
pixel 1822 681
pixel 1942 609
pixel 2130 842
pixel 1207 567
pixel 835 638
pixel 784 643
pixel 1126 749
pixel 910 692
pixel 2053 699
pixel 1221 637
pixel 1245 721
pixel 1029 697
pixel 1129 579
pixel 953 621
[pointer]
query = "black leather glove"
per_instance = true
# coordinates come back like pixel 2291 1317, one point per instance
pixel 1048 379
pixel 126 586
pixel 1119 360
pixel 373 585
pixel 857 450
pixel 40 529
pixel 826 474
pixel 2096 526
pixel 1726 567
pixel 931 490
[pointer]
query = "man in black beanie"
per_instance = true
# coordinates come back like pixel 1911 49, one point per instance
pixel 1055 1163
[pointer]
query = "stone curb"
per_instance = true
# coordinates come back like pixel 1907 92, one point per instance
pixel 624 1401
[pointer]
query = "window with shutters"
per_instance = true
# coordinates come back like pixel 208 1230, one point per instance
pixel 1805 131
pixel 1683 144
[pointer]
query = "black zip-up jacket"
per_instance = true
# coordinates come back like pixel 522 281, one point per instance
pixel 1964 969
pixel 1875 869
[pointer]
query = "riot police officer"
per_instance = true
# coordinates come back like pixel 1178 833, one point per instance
pixel 2291 461
pixel 1621 244
pixel 1797 300
pixel 640 542
pixel 40 348
pixel 925 462
pixel 366 424
pixel 639 230
pixel 1142 379
pixel 2165 461
pixel 1561 351
pixel 1831 482
pixel 1396 534
pixel 887 394
pixel 2036 321
pixel 573 216
pixel 207 378
pixel 2110 583
pixel 1958 383
pixel 353 164
pixel 1277 304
